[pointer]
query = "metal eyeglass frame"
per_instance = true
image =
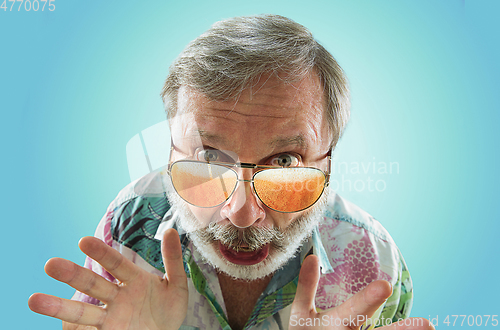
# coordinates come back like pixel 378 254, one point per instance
pixel 231 166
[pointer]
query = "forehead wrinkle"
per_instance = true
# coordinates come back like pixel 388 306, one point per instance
pixel 296 140
pixel 235 111
pixel 270 99
pixel 221 114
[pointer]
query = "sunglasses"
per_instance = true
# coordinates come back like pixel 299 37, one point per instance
pixel 282 189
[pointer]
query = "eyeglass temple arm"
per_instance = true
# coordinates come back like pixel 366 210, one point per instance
pixel 329 156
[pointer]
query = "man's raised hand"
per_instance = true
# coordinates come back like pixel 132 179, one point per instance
pixel 351 314
pixel 140 301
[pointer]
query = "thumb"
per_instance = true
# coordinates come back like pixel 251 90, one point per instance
pixel 306 288
pixel 171 253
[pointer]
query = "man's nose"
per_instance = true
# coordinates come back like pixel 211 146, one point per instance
pixel 243 208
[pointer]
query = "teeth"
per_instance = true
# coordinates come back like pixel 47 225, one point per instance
pixel 242 249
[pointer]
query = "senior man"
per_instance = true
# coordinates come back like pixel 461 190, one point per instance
pixel 240 230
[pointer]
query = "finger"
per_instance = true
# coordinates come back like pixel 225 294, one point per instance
pixel 308 283
pixel 365 303
pixel 72 326
pixel 172 259
pixel 67 310
pixel 115 263
pixel 413 323
pixel 82 279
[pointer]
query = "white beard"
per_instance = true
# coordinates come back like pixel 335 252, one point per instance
pixel 293 238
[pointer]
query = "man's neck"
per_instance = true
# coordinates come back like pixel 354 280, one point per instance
pixel 240 297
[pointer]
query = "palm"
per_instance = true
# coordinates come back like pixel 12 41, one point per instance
pixel 148 302
pixel 140 301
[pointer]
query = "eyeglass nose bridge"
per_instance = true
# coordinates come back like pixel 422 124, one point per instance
pixel 247 166
pixel 251 181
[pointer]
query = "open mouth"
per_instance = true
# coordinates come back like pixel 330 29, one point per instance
pixel 244 255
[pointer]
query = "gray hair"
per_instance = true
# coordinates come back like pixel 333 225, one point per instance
pixel 233 53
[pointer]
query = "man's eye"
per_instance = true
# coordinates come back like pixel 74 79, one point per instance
pixel 285 160
pixel 213 155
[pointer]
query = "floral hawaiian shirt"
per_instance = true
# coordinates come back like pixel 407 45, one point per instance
pixel 353 248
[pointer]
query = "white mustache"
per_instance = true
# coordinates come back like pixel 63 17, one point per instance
pixel 251 238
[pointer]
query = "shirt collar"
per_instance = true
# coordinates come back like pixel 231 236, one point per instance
pixel 314 246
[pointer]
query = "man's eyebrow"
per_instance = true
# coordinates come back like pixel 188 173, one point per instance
pixel 279 142
pixel 296 140
pixel 208 136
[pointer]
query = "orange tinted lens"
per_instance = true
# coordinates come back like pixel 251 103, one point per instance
pixel 289 189
pixel 203 184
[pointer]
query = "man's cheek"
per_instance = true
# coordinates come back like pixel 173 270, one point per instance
pixel 283 220
pixel 205 216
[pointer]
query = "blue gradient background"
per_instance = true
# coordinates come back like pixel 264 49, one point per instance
pixel 77 83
